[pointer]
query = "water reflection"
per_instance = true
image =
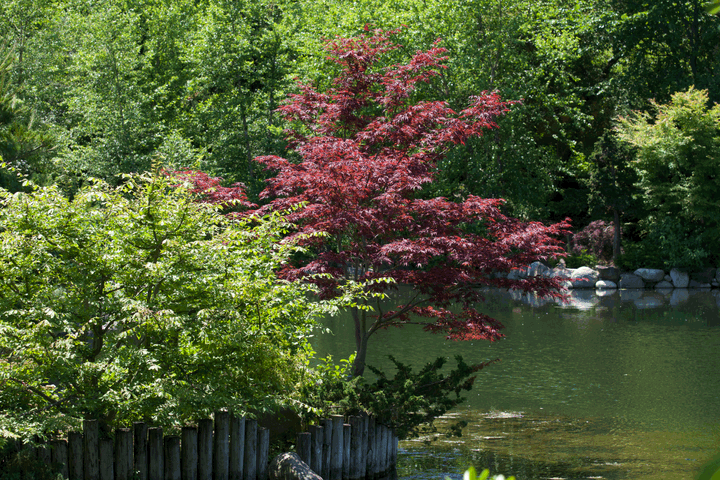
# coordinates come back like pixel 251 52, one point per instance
pixel 622 385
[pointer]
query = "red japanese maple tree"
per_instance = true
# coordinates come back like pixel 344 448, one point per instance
pixel 367 148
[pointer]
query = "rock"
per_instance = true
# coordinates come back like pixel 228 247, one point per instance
pixel 679 278
pixel 518 273
pixel 695 284
pixel 717 275
pixel 605 285
pixel 288 466
pixel 650 274
pixel 584 277
pixel 704 275
pixel 664 285
pixel 667 278
pixel 628 280
pixel 608 273
pixel 538 269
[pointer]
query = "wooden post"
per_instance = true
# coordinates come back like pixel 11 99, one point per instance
pixel 262 453
pixel 347 429
pixel 370 449
pixel 355 443
pixel 327 441
pixel 221 454
pixel 59 456
pixel 172 458
pixel 123 454
pixel 156 454
pixel 205 444
pixel 91 449
pixel 237 447
pixel 43 454
pixel 76 462
pixel 140 450
pixel 386 450
pixel 316 454
pixel 304 447
pixel 362 466
pixel 377 462
pixel 189 461
pixel 105 454
pixel 393 449
pixel 250 454
pixel 336 459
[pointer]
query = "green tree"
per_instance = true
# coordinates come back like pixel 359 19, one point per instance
pixel 678 158
pixel 22 145
pixel 137 302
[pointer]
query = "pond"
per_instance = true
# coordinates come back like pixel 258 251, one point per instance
pixel 620 386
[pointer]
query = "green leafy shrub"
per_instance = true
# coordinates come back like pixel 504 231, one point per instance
pixel 139 303
pixel 408 402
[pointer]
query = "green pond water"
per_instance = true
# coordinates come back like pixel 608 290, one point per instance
pixel 621 386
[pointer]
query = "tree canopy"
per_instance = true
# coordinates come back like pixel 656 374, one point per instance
pixel 367 148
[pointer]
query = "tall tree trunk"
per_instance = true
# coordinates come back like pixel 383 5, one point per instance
pixel 616 236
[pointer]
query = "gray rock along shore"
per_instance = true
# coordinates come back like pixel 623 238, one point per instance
pixel 610 278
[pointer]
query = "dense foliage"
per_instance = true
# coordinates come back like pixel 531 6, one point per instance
pixel 408 402
pixel 136 302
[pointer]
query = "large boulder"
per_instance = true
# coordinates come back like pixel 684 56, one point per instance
pixel 679 278
pixel 289 466
pixel 652 275
pixel 538 269
pixel 664 285
pixel 584 277
pixel 608 273
pixel 606 285
pixel 518 273
pixel 630 281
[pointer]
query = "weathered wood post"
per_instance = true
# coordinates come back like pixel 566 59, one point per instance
pixel 172 458
pixel 156 454
pixel 59 456
pixel 189 445
pixel 336 455
pixel 370 449
pixel 205 449
pixel 76 463
pixel 262 453
pixel 393 449
pixel 347 429
pixel 304 447
pixel 123 454
pixel 377 463
pixel 250 454
pixel 327 442
pixel 316 455
pixel 105 459
pixel 237 447
pixel 91 449
pixel 221 454
pixel 43 454
pixel 354 454
pixel 140 450
pixel 362 466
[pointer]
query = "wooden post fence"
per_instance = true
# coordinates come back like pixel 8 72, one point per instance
pixel 226 448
